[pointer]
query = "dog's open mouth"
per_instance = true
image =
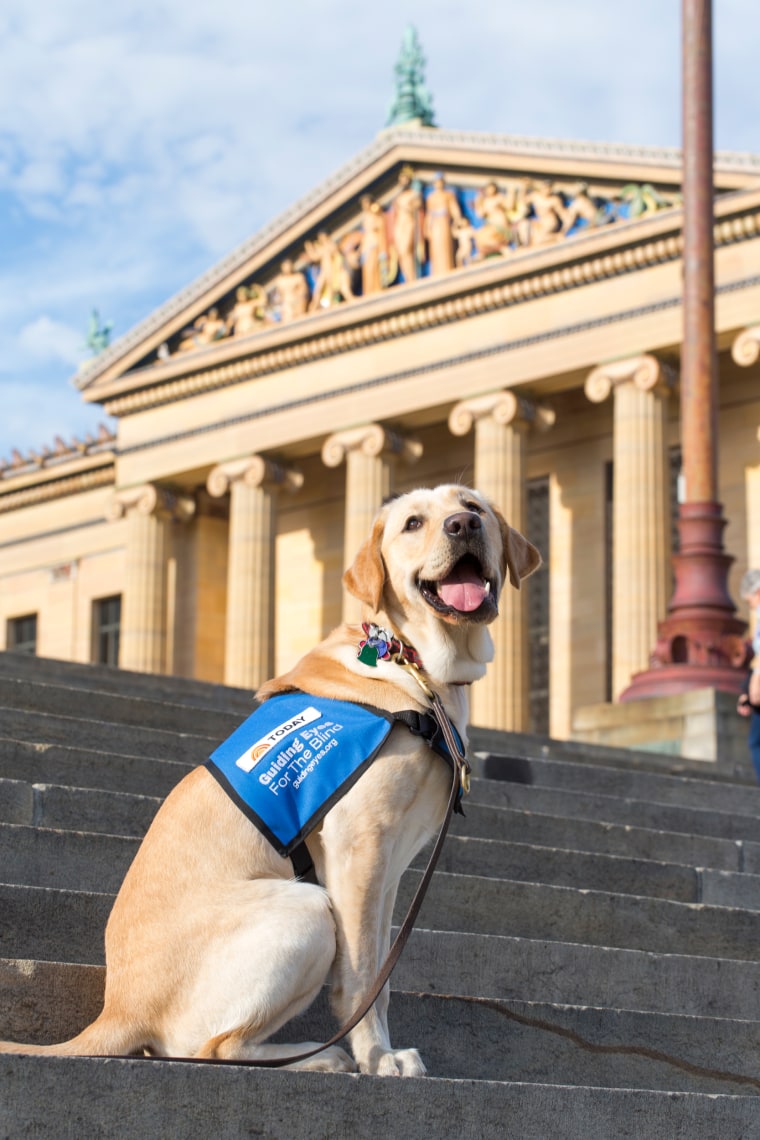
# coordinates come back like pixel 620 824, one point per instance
pixel 464 590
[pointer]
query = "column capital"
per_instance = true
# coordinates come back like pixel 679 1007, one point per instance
pixel 252 471
pixel 147 500
pixel 504 407
pixel 746 348
pixel 646 372
pixel 372 440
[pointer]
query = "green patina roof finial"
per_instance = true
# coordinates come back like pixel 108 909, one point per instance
pixel 412 101
pixel 98 336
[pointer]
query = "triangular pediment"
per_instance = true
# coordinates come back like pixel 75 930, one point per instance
pixel 470 199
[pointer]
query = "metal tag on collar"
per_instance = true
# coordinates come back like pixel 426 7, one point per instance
pixel 376 645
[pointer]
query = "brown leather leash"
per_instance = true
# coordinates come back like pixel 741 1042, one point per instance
pixel 460 784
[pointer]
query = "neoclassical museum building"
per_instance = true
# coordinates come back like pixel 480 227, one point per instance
pixel 447 306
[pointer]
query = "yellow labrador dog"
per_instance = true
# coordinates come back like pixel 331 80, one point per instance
pixel 212 944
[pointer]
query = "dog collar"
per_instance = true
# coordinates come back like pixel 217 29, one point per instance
pixel 380 644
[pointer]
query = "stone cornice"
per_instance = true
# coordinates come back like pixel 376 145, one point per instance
pixel 497 284
pixel 58 461
pixel 45 490
pixel 408 143
pixel 469 357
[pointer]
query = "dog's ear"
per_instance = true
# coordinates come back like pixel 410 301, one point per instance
pixel 365 578
pixel 519 557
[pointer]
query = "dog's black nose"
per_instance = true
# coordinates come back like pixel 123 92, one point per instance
pixel 462 524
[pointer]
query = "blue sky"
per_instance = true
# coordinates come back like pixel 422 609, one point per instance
pixel 140 142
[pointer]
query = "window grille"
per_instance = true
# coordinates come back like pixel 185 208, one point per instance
pixel 22 634
pixel 538 608
pixel 608 583
pixel 106 630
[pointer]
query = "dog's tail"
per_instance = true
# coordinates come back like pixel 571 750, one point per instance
pixel 103 1038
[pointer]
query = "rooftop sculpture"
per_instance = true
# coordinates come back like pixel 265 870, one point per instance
pixel 412 102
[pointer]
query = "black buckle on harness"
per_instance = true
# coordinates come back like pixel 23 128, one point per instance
pixel 426 726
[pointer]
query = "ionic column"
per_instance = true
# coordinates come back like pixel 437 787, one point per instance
pixel 746 347
pixel 369 452
pixel 249 629
pixel 149 511
pixel 641 574
pixel 502 421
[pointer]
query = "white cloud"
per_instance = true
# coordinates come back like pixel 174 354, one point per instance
pixel 48 340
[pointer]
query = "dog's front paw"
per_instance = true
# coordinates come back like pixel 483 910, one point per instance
pixel 397 1063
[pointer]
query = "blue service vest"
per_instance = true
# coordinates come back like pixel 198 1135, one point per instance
pixel 297 755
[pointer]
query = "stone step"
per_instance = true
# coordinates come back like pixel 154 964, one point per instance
pixel 87 768
pixel 149 1097
pixel 589 945
pixel 116 709
pixel 102 736
pixel 523 969
pixel 37 919
pixel 106 679
pixel 78 809
pixel 49 857
pixel 89 861
pixel 648 813
pixel 68 860
pixel 90 768
pixel 596 836
pixel 540 911
pixel 494 748
pixel 492 967
pixel 44 1002
pixel 631 783
pixel 53 712
pixel 146 707
pixel 119 813
pixel 463 855
pixel 529 863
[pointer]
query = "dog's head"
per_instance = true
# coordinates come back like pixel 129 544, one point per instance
pixel 435 563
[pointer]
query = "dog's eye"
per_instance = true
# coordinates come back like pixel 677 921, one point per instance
pixel 476 507
pixel 414 522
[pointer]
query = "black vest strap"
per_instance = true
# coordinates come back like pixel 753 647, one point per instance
pixel 303 864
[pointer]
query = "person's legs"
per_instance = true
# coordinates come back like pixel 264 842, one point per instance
pixel 754 742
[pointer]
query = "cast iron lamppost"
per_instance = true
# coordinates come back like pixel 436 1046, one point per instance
pixel 700 643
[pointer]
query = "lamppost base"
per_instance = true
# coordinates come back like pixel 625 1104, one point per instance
pixel 668 680
pixel 700 644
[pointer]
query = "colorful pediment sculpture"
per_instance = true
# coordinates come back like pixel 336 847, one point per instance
pixel 424 229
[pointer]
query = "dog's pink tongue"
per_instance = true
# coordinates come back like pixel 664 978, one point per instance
pixel 463 589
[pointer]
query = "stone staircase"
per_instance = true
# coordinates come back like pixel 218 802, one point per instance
pixel 586 964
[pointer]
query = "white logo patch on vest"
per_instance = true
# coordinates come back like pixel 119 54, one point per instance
pixel 251 757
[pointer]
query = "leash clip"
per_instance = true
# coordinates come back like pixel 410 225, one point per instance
pixel 413 668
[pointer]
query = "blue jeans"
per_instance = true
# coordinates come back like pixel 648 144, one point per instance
pixel 754 741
